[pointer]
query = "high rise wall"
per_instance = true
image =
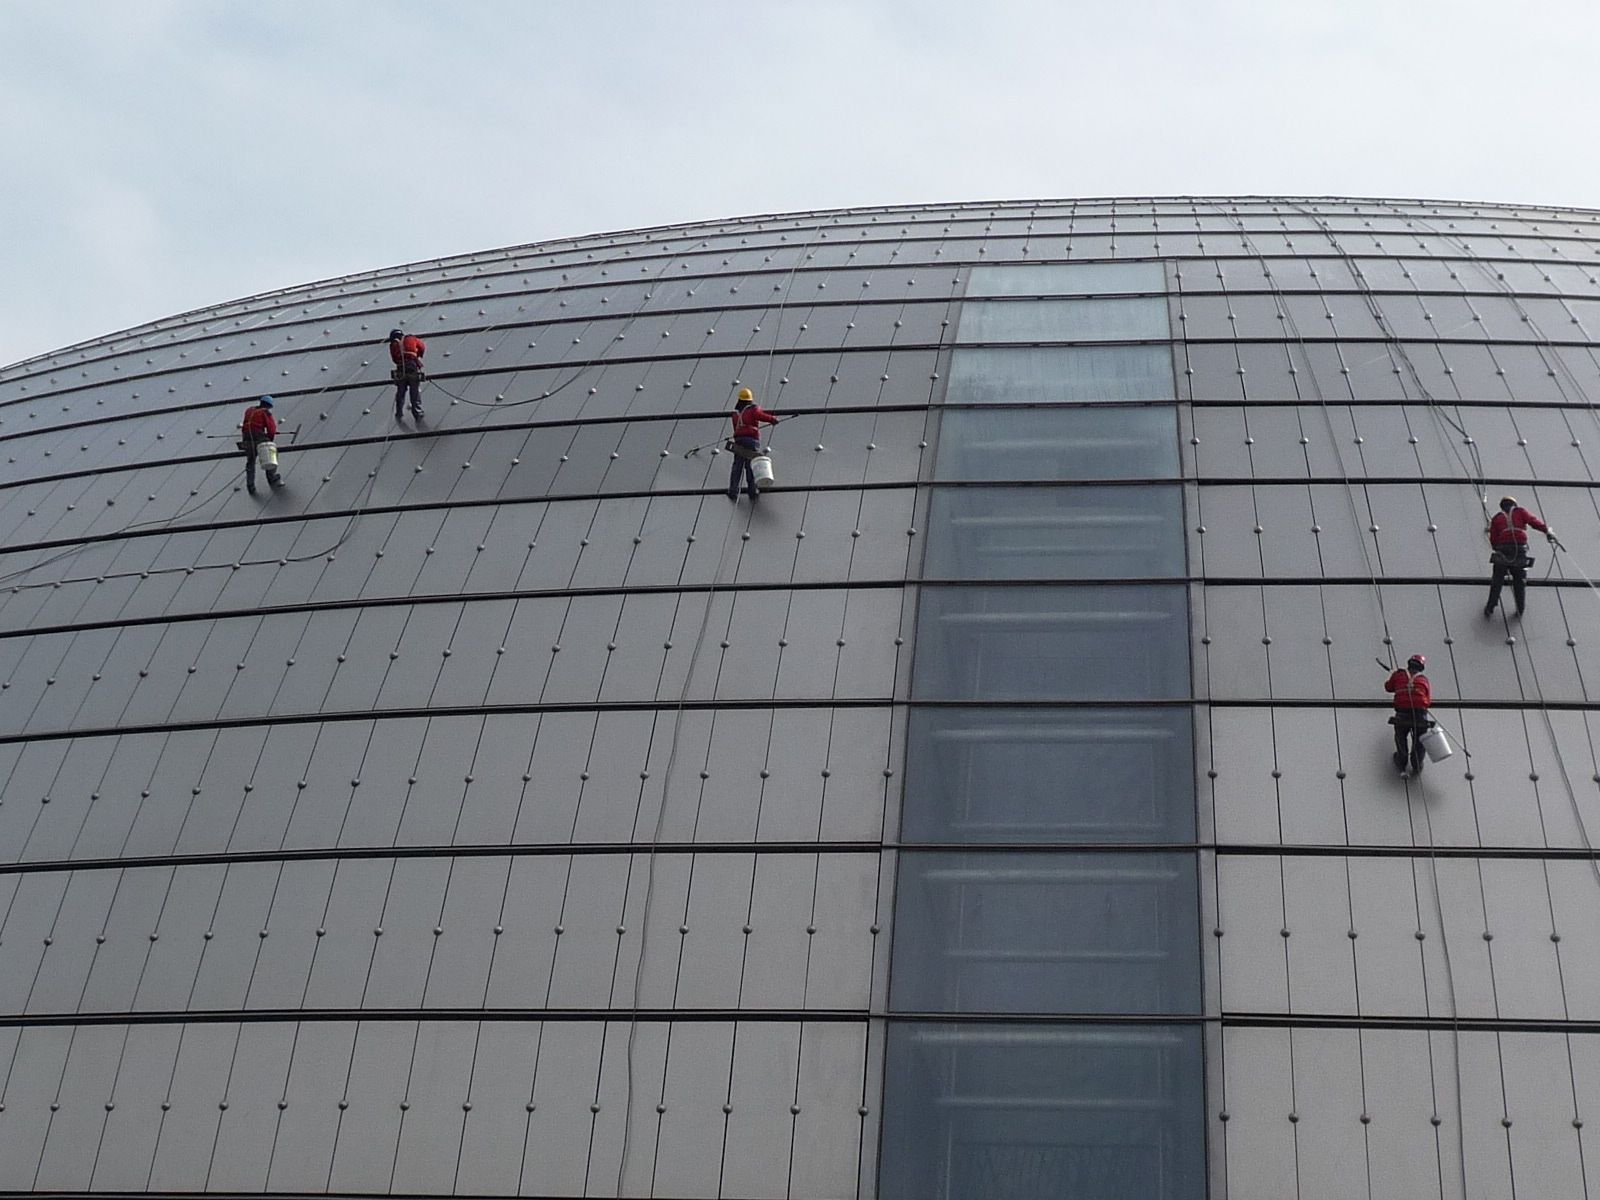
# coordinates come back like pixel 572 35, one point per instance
pixel 1001 807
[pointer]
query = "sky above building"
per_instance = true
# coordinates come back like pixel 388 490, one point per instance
pixel 171 154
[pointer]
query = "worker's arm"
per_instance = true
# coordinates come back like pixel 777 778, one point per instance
pixel 1529 518
pixel 1395 681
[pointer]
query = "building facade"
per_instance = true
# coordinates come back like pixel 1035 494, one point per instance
pixel 1001 807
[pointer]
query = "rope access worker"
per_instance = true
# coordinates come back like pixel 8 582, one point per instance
pixel 258 435
pixel 1413 696
pixel 1508 551
pixel 748 418
pixel 406 351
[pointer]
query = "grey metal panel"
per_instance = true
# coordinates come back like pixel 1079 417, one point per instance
pixel 694 1140
pixel 1253 960
pixel 762 1094
pixel 458 974
pixel 442 772
pixel 133 1123
pixel 555 1156
pixel 404 937
pixel 369 1123
pixel 348 940
pixel 1258 1085
pixel 271 791
pixel 524 955
pixel 248 1128
pixel 502 1082
pixel 1321 954
pixel 435 1106
pixel 287 951
pixel 326 792
pixel 491 801
pixel 309 1120
pixel 67 1160
pixel 194 1097
pixel 29 918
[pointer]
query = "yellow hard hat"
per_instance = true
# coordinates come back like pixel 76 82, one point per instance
pixel 745 394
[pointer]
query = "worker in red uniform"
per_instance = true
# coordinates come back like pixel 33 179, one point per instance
pixel 258 437
pixel 748 418
pixel 1508 551
pixel 1412 698
pixel 406 351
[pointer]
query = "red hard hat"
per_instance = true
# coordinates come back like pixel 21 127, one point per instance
pixel 1420 659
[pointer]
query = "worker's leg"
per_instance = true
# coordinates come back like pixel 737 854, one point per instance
pixel 250 467
pixel 1497 579
pixel 733 477
pixel 1519 583
pixel 1416 747
pixel 415 384
pixel 399 398
pixel 1399 743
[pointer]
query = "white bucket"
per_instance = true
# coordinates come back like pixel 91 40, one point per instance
pixel 267 452
pixel 1436 744
pixel 761 467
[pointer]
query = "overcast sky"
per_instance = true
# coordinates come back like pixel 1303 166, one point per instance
pixel 160 155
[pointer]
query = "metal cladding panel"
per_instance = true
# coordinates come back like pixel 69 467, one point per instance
pixel 499 809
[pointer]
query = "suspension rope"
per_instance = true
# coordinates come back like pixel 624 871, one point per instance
pixel 672 760
pixel 1377 592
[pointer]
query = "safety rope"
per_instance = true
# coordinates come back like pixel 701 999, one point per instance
pixel 1388 640
pixel 672 760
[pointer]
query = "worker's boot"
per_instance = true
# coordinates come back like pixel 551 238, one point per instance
pixel 1400 761
pixel 273 481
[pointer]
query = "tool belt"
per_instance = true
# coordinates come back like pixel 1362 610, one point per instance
pixel 1516 557
pixel 411 372
pixel 746 452
pixel 1412 718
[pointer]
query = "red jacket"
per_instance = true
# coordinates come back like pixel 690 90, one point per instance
pixel 1511 528
pixel 747 421
pixel 410 346
pixel 259 424
pixel 1410 691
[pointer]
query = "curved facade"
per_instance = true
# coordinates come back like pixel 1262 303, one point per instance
pixel 1000 808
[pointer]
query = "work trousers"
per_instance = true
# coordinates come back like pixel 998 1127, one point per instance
pixel 403 383
pixel 1508 562
pixel 252 447
pixel 744 450
pixel 1410 723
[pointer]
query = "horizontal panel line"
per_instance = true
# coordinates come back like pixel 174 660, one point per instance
pixel 468 710
pixel 745 704
pixel 262 1016
pixel 1239 1020
pixel 691 589
pixel 816 848
pixel 508 850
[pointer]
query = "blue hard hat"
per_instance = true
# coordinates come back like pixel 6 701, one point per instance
pixel 265 402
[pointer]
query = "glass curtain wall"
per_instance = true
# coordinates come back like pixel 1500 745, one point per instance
pixel 1049 784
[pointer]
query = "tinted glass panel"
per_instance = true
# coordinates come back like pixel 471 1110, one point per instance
pixel 1055 533
pixel 1116 642
pixel 1057 443
pixel 1059 374
pixel 1139 319
pixel 1049 775
pixel 1000 1112
pixel 1042 931
pixel 1066 279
